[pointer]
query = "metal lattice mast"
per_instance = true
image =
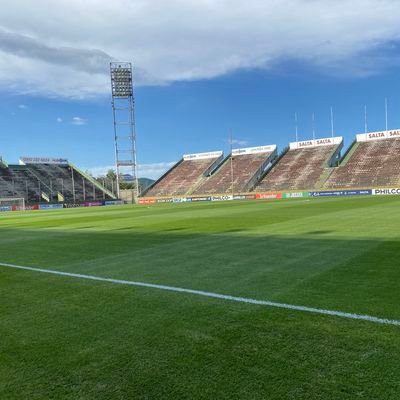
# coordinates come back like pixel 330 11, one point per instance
pixel 123 106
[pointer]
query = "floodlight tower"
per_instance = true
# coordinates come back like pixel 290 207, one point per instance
pixel 123 107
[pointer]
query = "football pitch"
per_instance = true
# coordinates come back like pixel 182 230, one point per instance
pixel 290 299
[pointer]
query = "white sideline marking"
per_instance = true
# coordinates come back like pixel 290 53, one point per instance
pixel 369 318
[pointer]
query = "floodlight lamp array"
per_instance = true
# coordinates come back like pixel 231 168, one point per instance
pixel 121 82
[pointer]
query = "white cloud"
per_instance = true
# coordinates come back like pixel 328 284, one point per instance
pixel 63 48
pixel 100 171
pixel 22 107
pixel 78 121
pixel 59 119
pixel 152 171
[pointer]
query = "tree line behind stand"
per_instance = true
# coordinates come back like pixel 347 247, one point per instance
pixel 109 181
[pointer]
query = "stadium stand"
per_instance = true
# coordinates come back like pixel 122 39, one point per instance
pixel 49 180
pixel 372 161
pixel 244 166
pixel 62 180
pixel 185 175
pixel 17 181
pixel 302 166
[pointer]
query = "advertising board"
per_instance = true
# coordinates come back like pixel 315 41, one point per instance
pixel 200 156
pixel 161 201
pixel 254 150
pixel 244 197
pixel 50 206
pixel 73 205
pixel 336 193
pixel 378 135
pixel 147 201
pixel 295 195
pixel 316 143
pixel 268 196
pixel 386 192
pixel 114 203
pixel 199 198
pixel 226 197
pixel 93 204
pixel 42 160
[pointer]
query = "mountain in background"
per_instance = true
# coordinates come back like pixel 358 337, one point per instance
pixel 143 182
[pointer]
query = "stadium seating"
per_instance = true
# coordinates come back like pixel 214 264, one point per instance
pixel 374 163
pixel 49 182
pixel 241 168
pixel 298 169
pixel 65 180
pixel 17 181
pixel 181 178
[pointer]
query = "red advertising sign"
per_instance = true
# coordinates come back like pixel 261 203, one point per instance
pixel 147 201
pixel 268 196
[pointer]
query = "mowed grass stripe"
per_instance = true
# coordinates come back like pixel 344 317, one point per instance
pixel 69 338
pixel 341 314
pixel 301 252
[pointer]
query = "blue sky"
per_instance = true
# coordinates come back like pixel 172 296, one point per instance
pixel 257 106
pixel 195 88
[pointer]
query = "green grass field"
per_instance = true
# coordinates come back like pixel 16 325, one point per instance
pixel 70 338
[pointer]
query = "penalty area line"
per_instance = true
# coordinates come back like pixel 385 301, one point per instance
pixel 312 310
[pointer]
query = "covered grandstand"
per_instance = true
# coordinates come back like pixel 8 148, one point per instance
pixel 372 161
pixel 239 172
pixel 49 180
pixel 303 165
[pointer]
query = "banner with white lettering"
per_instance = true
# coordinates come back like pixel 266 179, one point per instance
pixel 200 156
pixel 268 196
pixel 379 135
pixel 339 193
pixel 254 150
pixel 316 143
pixel 42 160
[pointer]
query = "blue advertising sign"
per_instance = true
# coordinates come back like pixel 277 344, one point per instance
pixel 50 206
pixel 334 193
pixel 113 203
